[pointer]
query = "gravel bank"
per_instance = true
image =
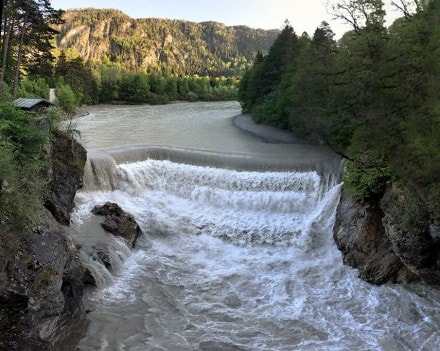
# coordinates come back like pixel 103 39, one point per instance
pixel 268 133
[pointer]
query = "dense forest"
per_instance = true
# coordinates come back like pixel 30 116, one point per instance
pixel 99 56
pixel 372 96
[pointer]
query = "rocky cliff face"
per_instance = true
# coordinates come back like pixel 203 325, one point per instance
pixel 66 169
pixel 41 282
pixel 372 239
pixel 148 44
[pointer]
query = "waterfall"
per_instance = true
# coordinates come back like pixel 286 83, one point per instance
pixel 100 170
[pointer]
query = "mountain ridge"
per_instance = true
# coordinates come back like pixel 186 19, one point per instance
pixel 152 44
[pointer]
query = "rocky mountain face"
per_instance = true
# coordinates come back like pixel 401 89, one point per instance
pixel 41 285
pixel 150 44
pixel 374 239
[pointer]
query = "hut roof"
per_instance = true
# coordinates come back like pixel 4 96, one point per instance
pixel 29 104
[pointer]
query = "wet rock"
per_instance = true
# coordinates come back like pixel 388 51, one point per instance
pixel 66 169
pixel 41 279
pixel 118 222
pixel 419 252
pixel 361 237
pixel 42 285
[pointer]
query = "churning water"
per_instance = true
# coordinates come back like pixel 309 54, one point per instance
pixel 237 250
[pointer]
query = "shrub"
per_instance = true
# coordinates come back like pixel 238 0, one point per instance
pixel 66 98
pixel 367 177
pixel 22 180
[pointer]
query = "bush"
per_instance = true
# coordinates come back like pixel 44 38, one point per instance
pixel 22 180
pixel 367 177
pixel 33 88
pixel 5 92
pixel 66 98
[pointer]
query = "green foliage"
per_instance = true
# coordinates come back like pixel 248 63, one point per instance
pixel 66 98
pixel 27 33
pixel 33 88
pixel 367 177
pixel 134 88
pixel 22 182
pixel 80 76
pixel 5 92
pixel 372 97
pixel 261 87
pixel 110 82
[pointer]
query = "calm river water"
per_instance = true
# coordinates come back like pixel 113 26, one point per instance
pixel 236 251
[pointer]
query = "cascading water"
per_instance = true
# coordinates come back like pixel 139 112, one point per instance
pixel 236 254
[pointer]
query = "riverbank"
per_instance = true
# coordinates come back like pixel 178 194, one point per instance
pixel 268 133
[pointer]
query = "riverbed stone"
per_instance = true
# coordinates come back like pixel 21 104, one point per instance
pixel 118 222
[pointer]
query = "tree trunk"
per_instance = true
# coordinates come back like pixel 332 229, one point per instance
pixel 19 56
pixel 5 48
pixel 1 26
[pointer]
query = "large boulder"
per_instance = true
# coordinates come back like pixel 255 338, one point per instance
pixel 67 158
pixel 118 222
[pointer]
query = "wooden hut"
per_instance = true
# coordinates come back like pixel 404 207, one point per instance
pixel 32 105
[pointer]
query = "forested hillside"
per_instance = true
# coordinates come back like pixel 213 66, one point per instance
pixel 161 45
pixel 373 96
pixel 98 56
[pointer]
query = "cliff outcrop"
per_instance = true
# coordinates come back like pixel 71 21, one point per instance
pixel 373 238
pixel 41 277
pixel 188 48
pixel 66 169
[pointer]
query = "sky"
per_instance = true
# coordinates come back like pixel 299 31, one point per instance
pixel 303 15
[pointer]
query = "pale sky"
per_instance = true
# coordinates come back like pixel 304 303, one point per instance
pixel 304 15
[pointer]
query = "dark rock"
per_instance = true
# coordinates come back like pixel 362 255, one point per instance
pixel 103 256
pixel 41 279
pixel 42 283
pixel 118 222
pixel 88 278
pixel 418 251
pixel 360 235
pixel 66 169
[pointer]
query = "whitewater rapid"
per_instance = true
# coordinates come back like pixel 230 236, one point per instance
pixel 233 258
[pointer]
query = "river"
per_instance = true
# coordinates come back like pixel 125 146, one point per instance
pixel 236 251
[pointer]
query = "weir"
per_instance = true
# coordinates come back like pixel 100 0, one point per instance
pixel 101 166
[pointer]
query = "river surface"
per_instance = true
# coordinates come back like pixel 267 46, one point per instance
pixel 236 251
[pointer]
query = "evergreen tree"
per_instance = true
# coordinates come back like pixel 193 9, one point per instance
pixel 27 31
